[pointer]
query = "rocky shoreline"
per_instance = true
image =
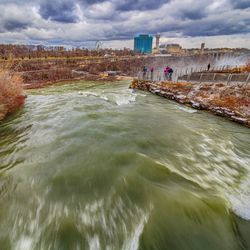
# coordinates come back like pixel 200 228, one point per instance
pixel 231 102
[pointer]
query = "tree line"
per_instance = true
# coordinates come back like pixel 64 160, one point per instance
pixel 8 51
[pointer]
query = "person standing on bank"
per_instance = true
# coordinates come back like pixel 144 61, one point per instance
pixel 144 70
pixel 166 72
pixel 208 67
pixel 170 73
pixel 152 73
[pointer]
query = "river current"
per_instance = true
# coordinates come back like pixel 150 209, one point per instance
pixel 98 166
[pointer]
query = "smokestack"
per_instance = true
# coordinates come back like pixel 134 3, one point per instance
pixel 158 36
pixel 202 48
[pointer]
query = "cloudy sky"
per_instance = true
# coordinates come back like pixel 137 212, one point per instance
pixel 219 23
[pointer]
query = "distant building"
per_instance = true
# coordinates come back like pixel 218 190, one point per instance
pixel 143 44
pixel 174 48
pixel 202 48
pixel 158 36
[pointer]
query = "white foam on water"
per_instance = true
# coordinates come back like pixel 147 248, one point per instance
pixel 104 97
pixel 87 93
pixel 174 170
pixel 186 109
pixel 124 99
pixel 24 243
pixel 121 98
pixel 94 243
pixel 132 242
pixel 129 228
pixel 240 201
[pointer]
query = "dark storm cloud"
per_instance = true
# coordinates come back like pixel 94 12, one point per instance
pixel 14 18
pixel 127 5
pixel 241 4
pixel 212 28
pixel 86 20
pixel 193 14
pixel 89 2
pixel 58 10
pixel 140 4
pixel 15 25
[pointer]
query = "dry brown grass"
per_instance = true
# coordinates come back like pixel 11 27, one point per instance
pixel 233 102
pixel 177 86
pixel 11 92
pixel 203 95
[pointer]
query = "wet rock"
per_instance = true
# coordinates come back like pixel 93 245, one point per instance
pixel 195 105
pixel 229 113
pixel 218 112
pixel 237 113
pixel 181 96
pixel 153 88
pixel 204 106
pixel 215 109
pixel 181 99
pixel 239 120
pixel 169 94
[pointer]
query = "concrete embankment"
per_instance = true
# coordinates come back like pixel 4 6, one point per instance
pixel 229 101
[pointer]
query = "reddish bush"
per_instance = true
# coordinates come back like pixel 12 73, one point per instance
pixel 11 92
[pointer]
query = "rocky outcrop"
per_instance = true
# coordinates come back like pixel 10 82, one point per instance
pixel 231 102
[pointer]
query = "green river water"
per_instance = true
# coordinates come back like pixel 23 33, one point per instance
pixel 98 166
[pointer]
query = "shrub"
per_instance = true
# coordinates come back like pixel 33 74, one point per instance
pixel 11 92
pixel 232 102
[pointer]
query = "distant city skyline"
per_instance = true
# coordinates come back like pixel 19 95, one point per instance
pixel 218 23
pixel 233 41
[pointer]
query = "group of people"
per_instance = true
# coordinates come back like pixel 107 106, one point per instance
pixel 145 70
pixel 168 72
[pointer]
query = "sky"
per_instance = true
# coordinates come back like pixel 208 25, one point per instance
pixel 218 23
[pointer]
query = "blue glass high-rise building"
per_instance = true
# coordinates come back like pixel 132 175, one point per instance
pixel 143 43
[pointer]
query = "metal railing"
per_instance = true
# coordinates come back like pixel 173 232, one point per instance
pixel 216 77
pixel 159 75
pixel 196 74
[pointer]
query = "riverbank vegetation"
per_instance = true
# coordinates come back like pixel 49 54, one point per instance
pixel 39 73
pixel 11 92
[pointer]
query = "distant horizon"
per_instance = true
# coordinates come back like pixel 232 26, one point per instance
pixel 128 44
